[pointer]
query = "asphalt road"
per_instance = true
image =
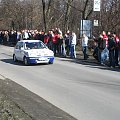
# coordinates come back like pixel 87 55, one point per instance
pixel 85 91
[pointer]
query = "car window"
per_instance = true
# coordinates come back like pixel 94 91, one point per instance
pixel 19 45
pixel 34 45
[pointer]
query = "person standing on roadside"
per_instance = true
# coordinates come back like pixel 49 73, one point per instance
pixel 25 35
pixel 111 48
pixel 105 38
pixel 117 48
pixel 104 45
pixel 46 39
pixel 60 42
pixel 50 39
pixel 85 46
pixel 100 47
pixel 41 36
pixel 19 36
pixel 67 42
pixel 73 44
pixel 55 42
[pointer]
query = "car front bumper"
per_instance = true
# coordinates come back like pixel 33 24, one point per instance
pixel 36 60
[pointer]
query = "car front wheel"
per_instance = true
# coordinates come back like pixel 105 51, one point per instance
pixel 14 58
pixel 25 61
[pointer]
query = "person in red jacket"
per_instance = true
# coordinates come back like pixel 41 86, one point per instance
pixel 105 52
pixel 46 39
pixel 55 39
pixel 105 37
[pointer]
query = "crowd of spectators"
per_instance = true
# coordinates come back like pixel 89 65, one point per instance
pixel 62 45
pixel 107 46
pixel 108 49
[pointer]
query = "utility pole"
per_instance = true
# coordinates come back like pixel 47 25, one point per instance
pixel 96 9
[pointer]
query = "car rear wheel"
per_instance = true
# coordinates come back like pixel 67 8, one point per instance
pixel 25 61
pixel 14 58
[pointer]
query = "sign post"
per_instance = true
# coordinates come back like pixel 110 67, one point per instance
pixel 96 9
pixel 96 23
pixel 97 5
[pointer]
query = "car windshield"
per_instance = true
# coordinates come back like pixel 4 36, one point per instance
pixel 34 45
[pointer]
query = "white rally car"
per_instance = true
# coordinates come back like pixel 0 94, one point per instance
pixel 32 52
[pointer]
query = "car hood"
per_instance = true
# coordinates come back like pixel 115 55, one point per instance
pixel 39 52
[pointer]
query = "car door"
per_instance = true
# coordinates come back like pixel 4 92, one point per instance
pixel 19 48
pixel 21 51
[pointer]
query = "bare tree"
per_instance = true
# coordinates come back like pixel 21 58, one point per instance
pixel 66 14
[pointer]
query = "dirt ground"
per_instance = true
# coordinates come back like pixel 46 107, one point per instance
pixel 11 111
pixel 18 103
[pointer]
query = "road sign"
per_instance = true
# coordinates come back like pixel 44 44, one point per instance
pixel 97 5
pixel 86 27
pixel 96 23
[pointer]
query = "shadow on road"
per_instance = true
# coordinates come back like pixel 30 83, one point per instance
pixel 91 63
pixel 19 63
pixel 10 61
pixel 114 86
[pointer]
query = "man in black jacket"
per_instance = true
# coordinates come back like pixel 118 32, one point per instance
pixel 111 48
pixel 117 48
pixel 101 47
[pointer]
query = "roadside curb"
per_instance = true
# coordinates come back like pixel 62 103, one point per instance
pixel 2 77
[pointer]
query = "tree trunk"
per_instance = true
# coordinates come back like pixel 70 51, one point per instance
pixel 44 14
pixel 67 17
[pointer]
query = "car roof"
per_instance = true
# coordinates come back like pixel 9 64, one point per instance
pixel 30 41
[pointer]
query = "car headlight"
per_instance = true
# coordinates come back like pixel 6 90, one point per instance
pixel 51 53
